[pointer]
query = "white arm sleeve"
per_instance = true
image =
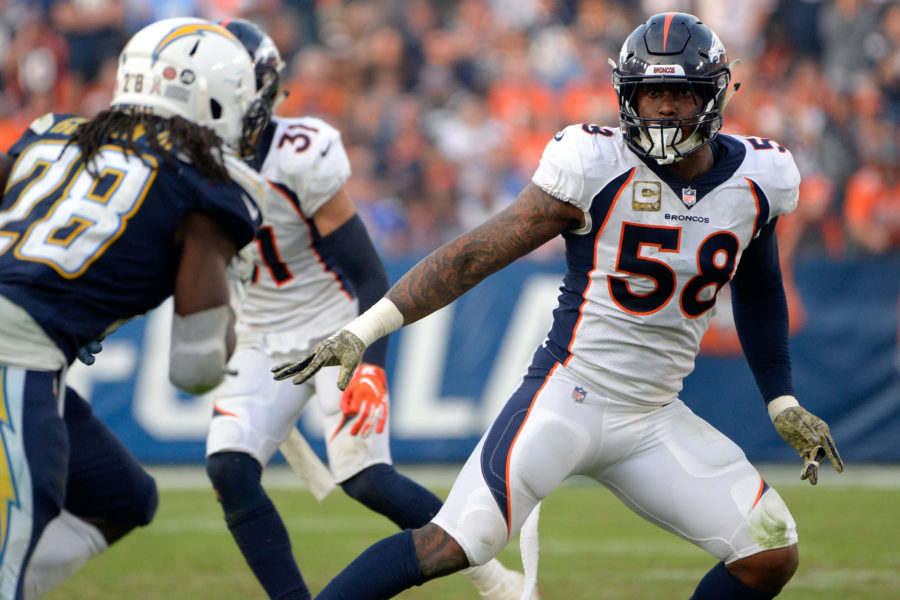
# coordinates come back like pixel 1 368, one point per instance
pixel 198 355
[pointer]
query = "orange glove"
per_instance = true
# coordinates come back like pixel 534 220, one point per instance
pixel 366 396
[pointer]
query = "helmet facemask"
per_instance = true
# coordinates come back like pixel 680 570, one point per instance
pixel 258 116
pixel 255 120
pixel 669 140
pixel 267 66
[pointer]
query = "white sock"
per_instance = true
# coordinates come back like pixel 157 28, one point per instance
pixel 485 577
pixel 65 545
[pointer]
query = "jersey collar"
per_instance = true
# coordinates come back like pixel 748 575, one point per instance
pixel 729 153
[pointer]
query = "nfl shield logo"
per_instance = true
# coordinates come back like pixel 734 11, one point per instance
pixel 688 196
pixel 578 394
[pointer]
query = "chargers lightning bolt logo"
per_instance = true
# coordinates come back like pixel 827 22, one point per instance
pixel 191 29
pixel 8 497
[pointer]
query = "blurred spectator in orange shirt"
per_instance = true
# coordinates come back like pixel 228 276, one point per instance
pixel 315 88
pixel 516 96
pixel 588 98
pixel 872 201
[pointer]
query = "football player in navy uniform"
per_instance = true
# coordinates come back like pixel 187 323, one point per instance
pixel 101 221
pixel 657 215
pixel 316 269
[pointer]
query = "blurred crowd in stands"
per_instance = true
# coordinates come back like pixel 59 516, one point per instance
pixel 445 105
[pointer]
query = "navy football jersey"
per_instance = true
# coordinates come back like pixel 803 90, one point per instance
pixel 82 254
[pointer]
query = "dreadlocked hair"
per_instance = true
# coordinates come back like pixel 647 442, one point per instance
pixel 171 137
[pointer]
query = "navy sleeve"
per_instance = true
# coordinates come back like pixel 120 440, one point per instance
pixel 226 202
pixel 355 254
pixel 761 315
pixel 234 210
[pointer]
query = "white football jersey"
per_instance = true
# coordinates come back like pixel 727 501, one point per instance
pixel 643 274
pixel 296 298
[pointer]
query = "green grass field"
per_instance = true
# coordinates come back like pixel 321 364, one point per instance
pixel 591 548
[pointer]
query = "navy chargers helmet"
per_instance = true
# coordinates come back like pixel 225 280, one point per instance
pixel 672 48
pixel 267 62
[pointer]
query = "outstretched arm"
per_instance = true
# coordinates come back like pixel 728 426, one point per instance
pixel 450 271
pixel 441 277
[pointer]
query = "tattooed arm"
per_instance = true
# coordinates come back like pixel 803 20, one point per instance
pixel 440 278
pixel 450 271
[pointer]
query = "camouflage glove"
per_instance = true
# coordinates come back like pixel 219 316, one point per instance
pixel 343 348
pixel 807 434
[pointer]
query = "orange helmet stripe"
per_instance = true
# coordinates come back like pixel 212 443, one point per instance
pixel 669 17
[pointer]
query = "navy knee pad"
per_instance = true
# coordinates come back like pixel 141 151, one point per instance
pixel 236 479
pixel 145 501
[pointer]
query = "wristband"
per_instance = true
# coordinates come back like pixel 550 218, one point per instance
pixel 382 318
pixel 776 406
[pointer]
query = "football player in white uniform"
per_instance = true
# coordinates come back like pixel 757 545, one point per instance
pixel 657 216
pixel 315 270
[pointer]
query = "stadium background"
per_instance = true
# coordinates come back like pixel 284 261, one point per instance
pixel 445 107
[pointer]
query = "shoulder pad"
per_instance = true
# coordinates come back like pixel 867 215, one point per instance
pixel 772 166
pixel 49 126
pixel 300 144
pixel 308 157
pixel 251 181
pixel 56 123
pixel 578 159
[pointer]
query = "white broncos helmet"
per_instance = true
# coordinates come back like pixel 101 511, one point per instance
pixel 190 68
